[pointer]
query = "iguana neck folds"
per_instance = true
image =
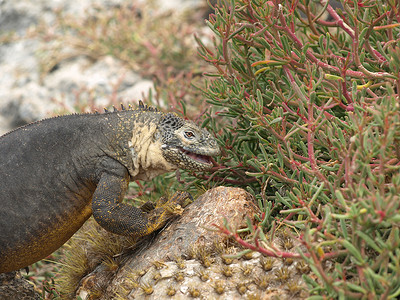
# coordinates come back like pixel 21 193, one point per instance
pixel 148 161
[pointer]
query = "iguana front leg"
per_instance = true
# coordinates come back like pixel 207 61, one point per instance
pixel 124 219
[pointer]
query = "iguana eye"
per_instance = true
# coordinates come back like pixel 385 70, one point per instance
pixel 188 134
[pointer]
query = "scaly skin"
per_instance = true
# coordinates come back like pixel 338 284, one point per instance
pixel 56 173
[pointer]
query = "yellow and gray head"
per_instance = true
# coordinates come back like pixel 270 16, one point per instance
pixel 185 144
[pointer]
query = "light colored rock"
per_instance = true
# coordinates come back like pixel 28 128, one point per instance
pixel 17 16
pixel 137 92
pixel 177 4
pixel 24 105
pixel 18 64
pixel 186 256
pixel 82 78
pixel 5 125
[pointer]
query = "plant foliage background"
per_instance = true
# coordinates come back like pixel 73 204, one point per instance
pixel 306 105
pixel 304 100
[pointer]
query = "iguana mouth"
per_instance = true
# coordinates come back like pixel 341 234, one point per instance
pixel 203 159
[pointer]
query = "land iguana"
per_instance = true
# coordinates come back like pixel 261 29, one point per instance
pixel 56 173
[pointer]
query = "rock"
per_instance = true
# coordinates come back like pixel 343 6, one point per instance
pixel 80 78
pixel 139 90
pixel 14 286
pixel 192 229
pixel 177 4
pixel 18 15
pixel 185 259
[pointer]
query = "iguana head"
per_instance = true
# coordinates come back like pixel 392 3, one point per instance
pixel 186 145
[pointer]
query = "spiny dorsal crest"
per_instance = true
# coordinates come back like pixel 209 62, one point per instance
pixel 144 107
pixel 141 107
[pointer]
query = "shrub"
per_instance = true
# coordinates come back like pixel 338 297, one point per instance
pixel 306 108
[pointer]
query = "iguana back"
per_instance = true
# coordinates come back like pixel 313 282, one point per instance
pixel 47 179
pixel 54 173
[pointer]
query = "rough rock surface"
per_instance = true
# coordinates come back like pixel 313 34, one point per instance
pixel 186 259
pixel 192 229
pixel 14 286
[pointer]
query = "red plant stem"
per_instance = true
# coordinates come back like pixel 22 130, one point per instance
pixel 310 145
pixel 267 252
pixel 319 20
pixel 372 51
pixel 338 19
pixel 225 48
pixel 230 181
pixel 288 109
pixel 357 60
pixel 390 21
pixel 310 136
pixel 398 85
pixel 311 127
pixel 281 177
pixel 299 45
pixel 284 142
pixel 347 96
pixel 321 271
pixel 289 216
pixel 282 139
pixel 217 62
pixel 310 20
pixel 310 55
pixel 314 218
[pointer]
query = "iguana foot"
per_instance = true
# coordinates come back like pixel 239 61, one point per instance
pixel 165 209
pixel 175 210
pixel 161 201
pixel 179 198
pixel 175 204
pixel 148 206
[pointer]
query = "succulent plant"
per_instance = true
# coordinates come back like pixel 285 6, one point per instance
pixel 306 106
